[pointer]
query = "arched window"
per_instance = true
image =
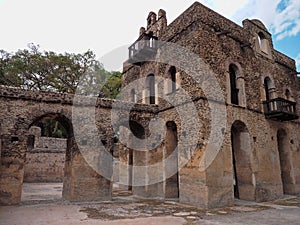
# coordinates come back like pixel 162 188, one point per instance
pixel 172 81
pixel 171 153
pixel 263 43
pixel 151 88
pixel 287 94
pixel 173 78
pixel 233 84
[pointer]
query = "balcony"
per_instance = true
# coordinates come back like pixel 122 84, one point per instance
pixel 280 109
pixel 144 49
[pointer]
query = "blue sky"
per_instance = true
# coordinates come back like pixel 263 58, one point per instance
pixel 101 26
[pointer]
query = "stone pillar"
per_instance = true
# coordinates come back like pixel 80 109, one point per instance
pixel 208 187
pixel 12 169
pixel 193 188
pixel 145 96
pixel 139 174
pixel 82 182
pixel 147 174
pixel 125 168
pixel 155 175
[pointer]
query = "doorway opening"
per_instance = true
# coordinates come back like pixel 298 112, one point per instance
pixel 243 186
pixel 44 168
pixel 285 161
pixel 171 152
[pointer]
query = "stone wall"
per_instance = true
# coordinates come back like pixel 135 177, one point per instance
pixel 20 109
pixel 46 161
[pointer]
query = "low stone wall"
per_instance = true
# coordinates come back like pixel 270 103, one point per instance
pixel 45 162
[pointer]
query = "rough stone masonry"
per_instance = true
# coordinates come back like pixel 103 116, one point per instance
pixel 258 160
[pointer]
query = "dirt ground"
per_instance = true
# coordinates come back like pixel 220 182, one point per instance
pixel 42 204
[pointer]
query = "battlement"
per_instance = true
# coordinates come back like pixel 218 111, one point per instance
pixel 253 33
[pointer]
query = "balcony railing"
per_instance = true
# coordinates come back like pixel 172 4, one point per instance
pixel 144 49
pixel 280 109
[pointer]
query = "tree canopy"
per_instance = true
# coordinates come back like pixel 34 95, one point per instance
pixel 49 71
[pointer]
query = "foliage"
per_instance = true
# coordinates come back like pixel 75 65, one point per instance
pixel 112 86
pixel 48 71
pixel 52 128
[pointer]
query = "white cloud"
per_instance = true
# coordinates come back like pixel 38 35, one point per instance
pixel 282 22
pixel 224 7
pixel 256 9
pixel 286 22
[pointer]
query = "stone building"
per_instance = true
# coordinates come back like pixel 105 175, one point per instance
pixel 259 158
pixel 212 119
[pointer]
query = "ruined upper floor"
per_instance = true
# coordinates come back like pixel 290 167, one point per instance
pixel 251 73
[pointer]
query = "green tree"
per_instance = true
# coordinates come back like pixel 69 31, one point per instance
pixel 36 70
pixel 5 77
pixel 52 128
pixel 112 86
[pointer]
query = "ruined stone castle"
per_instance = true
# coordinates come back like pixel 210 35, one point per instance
pixel 259 154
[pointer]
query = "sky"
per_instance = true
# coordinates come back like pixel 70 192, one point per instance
pixel 76 26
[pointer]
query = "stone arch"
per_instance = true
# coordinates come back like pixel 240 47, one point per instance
pixel 285 161
pixel 34 137
pixel 76 170
pixel 235 84
pixel 135 127
pixel 171 144
pixel 65 121
pixel 244 187
pixel 46 149
pixel 288 94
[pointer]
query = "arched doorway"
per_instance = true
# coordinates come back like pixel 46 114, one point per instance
pixel 171 143
pixel 285 161
pixel 80 182
pixel 242 168
pixel 44 168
